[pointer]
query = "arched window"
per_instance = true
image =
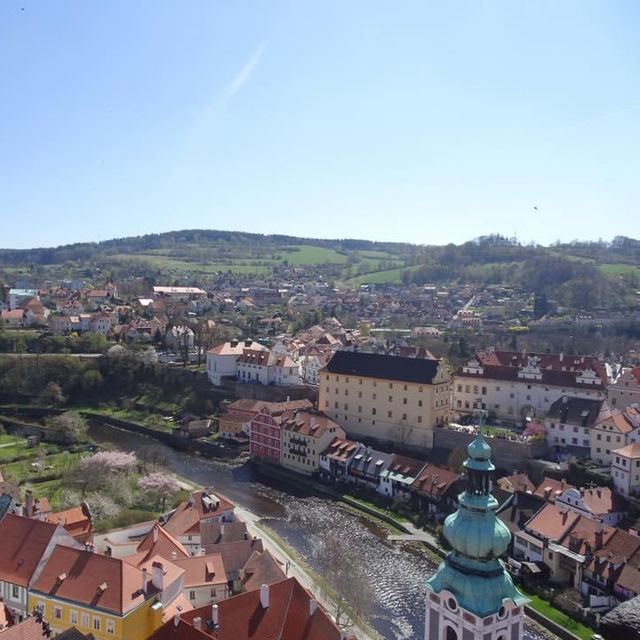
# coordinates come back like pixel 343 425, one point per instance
pixel 451 634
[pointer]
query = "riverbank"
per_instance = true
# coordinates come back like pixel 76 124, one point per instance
pixel 294 564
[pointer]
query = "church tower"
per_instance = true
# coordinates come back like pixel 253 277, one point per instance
pixel 471 595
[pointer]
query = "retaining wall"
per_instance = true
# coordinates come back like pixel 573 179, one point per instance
pixel 506 454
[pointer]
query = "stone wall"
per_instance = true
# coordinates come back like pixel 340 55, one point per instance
pixel 505 454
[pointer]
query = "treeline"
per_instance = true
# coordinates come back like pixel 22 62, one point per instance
pixel 578 284
pixel 90 381
pixel 196 242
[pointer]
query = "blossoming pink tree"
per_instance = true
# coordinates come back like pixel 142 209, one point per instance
pixel 159 486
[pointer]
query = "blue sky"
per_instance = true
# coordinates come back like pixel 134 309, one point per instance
pixel 412 121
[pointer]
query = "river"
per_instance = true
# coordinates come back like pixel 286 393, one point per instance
pixel 395 575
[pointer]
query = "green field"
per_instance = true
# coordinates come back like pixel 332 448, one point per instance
pixel 381 277
pixel 297 255
pixel 619 269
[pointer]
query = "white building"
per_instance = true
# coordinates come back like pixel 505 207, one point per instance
pixel 625 469
pixel 222 359
pixel 613 430
pixel 568 424
pixel 512 386
pixel 17 297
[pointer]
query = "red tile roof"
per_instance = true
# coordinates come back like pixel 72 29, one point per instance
pixel 80 576
pixel 186 518
pixel 158 542
pixel 551 522
pixel 288 616
pixel 340 449
pixel 309 423
pixel 200 571
pixel 23 542
pixel 517 482
pixel 75 520
pixel 550 487
pixel 28 629
pixel 434 481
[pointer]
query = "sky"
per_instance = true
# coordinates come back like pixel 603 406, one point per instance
pixel 426 122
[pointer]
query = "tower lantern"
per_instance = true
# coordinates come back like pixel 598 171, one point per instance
pixel 471 595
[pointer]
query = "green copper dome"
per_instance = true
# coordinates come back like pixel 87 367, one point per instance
pixel 473 571
pixel 478 449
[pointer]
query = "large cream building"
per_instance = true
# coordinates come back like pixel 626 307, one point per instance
pixel 386 397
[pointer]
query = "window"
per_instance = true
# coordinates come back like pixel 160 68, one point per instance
pixel 374 396
pixel 84 620
pixel 97 623
pixel 391 385
pixel 346 407
pixel 192 595
pixel 419 418
pixel 404 416
pixel 373 412
pixel 390 398
pixel 73 616
pixel 359 409
pixel 15 591
pixel 459 388
pixel 111 627
pixel 420 403
pixel 389 414
pixel 346 392
pixel 404 401
pixel 57 613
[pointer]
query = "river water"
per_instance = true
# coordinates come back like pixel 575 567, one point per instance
pixel 395 575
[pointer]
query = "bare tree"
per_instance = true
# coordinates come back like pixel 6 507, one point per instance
pixel 342 582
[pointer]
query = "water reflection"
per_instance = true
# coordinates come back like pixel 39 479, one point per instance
pixel 396 574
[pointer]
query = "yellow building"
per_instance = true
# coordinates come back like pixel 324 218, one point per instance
pixel 104 596
pixel 388 398
pixel 305 435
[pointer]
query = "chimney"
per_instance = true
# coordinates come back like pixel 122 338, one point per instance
pixel 28 503
pixel 634 420
pixel 313 605
pixel 565 399
pixel 599 535
pixel 264 596
pixel 176 620
pixel 157 575
pixel 145 580
pixel 155 533
pixel 214 615
pixel 197 622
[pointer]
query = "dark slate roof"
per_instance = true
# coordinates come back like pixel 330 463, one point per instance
pixel 571 410
pixel 372 365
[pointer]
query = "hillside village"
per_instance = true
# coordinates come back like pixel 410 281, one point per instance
pixel 379 405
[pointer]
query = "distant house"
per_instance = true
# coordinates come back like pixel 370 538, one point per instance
pixel 569 422
pixel 222 359
pixel 399 476
pixel 17 297
pixel 13 319
pixel 195 429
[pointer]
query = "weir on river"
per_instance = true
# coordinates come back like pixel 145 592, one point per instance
pixel 397 575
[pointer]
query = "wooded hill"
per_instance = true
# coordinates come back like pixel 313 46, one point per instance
pixel 583 275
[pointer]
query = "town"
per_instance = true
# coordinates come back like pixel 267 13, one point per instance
pixel 370 396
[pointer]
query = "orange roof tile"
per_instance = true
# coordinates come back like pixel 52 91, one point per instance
pixel 24 540
pixel 84 573
pixel 204 570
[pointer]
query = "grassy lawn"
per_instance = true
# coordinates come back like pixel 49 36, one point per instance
pixel 560 618
pixel 375 507
pixel 56 463
pixel 298 255
pixel 381 277
pixel 619 269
